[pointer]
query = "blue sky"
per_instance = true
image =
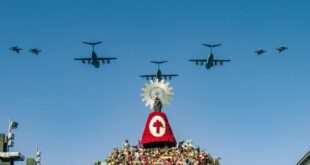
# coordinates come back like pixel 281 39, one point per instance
pixel 252 111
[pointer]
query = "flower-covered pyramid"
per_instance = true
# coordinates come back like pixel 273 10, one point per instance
pixel 158 145
pixel 184 154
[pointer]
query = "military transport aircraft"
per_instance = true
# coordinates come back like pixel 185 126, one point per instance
pixel 159 74
pixel 16 49
pixel 281 49
pixel 94 59
pixel 260 51
pixel 210 61
pixel 35 51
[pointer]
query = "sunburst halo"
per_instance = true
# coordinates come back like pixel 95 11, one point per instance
pixel 156 88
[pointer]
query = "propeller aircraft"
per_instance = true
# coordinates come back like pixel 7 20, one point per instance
pixel 210 61
pixel 94 59
pixel 159 74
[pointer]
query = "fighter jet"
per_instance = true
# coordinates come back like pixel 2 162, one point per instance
pixel 260 51
pixel 35 51
pixel 159 74
pixel 94 59
pixel 16 49
pixel 210 61
pixel 281 49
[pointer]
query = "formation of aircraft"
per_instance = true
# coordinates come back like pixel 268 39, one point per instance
pixel 35 51
pixel 16 49
pixel 210 61
pixel 94 59
pixel 279 49
pixel 159 74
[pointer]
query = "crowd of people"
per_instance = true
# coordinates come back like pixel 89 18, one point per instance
pixel 184 154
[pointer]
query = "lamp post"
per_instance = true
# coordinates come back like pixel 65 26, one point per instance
pixel 11 136
pixel 38 156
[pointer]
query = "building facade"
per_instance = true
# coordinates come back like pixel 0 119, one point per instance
pixel 305 160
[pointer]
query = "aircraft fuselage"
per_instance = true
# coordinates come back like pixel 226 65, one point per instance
pixel 159 75
pixel 95 62
pixel 209 63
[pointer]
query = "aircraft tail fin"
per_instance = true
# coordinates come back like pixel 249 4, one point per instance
pixel 211 45
pixel 92 43
pixel 158 62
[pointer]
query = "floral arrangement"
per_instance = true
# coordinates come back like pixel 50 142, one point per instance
pixel 184 154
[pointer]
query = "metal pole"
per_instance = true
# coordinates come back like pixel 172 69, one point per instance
pixel 9 131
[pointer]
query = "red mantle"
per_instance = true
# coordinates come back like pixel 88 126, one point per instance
pixel 157 132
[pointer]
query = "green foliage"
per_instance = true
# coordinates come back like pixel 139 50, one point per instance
pixel 30 161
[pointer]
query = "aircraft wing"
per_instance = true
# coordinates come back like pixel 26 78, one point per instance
pixel 150 76
pixel 84 60
pixel 220 61
pixel 106 59
pixel 168 76
pixel 199 61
